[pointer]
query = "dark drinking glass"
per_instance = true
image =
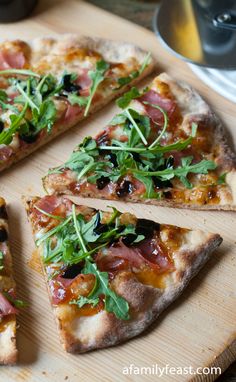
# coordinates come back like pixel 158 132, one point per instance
pixel 13 10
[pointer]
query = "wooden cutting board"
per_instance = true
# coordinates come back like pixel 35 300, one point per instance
pixel 198 330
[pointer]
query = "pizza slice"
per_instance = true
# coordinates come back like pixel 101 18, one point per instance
pixel 50 84
pixel 8 302
pixel 164 147
pixel 110 274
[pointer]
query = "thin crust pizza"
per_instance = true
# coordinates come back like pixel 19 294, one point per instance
pixel 50 84
pixel 110 274
pixel 164 147
pixel 8 310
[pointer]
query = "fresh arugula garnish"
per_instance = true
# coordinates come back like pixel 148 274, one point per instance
pixel 35 95
pixel 47 214
pixel 113 302
pixel 23 72
pixel 125 100
pixel 143 162
pixel 122 81
pixel 182 171
pixel 75 240
pixel 97 76
pixel 75 99
pixel 1 261
pixel 6 136
pixel 221 179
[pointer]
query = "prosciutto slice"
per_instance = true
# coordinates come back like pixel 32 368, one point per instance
pixel 146 253
pixel 11 59
pixel 85 82
pixel 156 99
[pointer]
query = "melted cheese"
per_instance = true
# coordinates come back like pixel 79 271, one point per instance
pixel 152 278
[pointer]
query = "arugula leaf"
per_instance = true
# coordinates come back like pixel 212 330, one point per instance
pixel 47 214
pixel 36 95
pixel 3 96
pixel 74 99
pixel 1 261
pixel 177 146
pixel 97 76
pixel 45 116
pixel 6 136
pixel 148 183
pixel 78 229
pixel 125 100
pixel 221 179
pixel 81 301
pixel 23 72
pixel 113 302
pixel 122 81
pixel 182 171
pixel 131 115
pixel 119 119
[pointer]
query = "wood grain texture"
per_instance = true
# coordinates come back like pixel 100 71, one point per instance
pixel 199 329
pixel 140 12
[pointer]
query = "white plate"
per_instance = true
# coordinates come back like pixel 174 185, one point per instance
pixel 222 81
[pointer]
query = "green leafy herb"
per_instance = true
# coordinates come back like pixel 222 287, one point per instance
pixel 23 72
pixel 221 179
pixel 122 81
pixel 74 99
pixel 36 95
pixel 113 302
pixel 125 100
pixel 47 214
pixel 97 76
pixel 182 171
pixel 16 120
pixel 130 115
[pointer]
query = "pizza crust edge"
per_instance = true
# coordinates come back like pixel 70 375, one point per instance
pixel 8 350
